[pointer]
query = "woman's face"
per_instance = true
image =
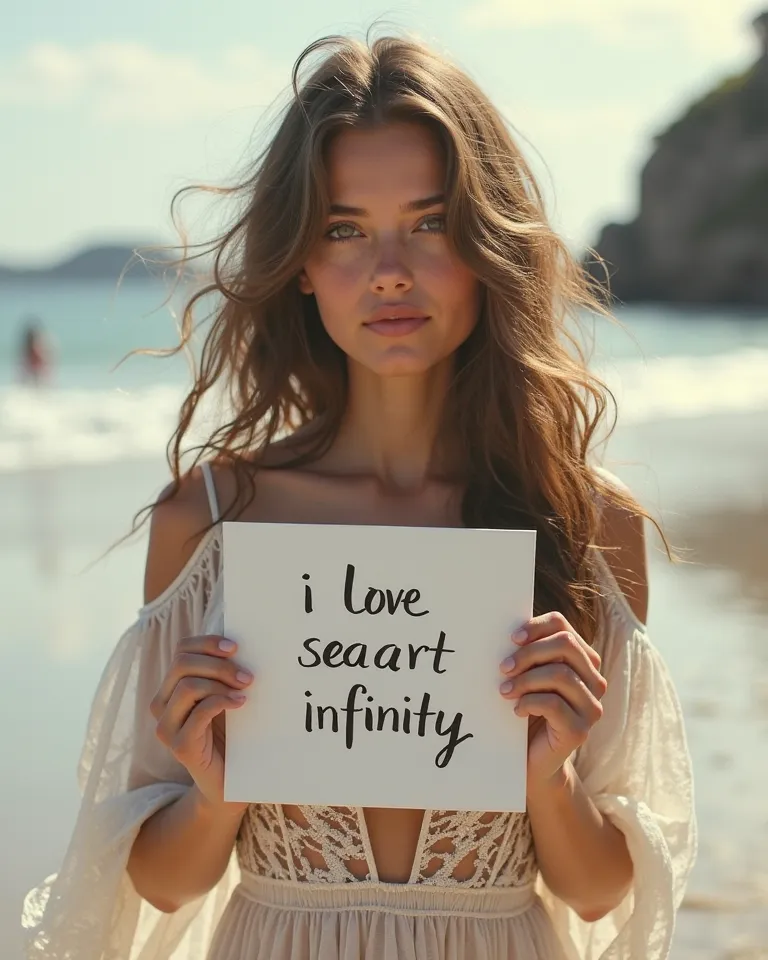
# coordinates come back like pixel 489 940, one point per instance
pixel 391 293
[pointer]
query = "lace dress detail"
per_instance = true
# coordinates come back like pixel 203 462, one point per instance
pixel 458 839
pixel 456 848
pixel 320 850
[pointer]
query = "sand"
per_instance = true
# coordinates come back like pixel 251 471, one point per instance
pixel 709 617
pixel 725 911
pixel 734 539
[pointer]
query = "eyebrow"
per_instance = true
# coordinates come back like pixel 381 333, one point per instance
pixel 412 207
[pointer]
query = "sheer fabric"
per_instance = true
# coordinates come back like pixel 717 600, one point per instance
pixel 289 890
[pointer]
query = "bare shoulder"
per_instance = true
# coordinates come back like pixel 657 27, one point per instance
pixel 623 532
pixel 176 528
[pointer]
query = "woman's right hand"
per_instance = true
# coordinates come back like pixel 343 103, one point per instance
pixel 202 682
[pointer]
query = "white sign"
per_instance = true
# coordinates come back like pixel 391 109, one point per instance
pixel 376 656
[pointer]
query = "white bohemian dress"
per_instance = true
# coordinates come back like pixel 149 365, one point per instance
pixel 289 892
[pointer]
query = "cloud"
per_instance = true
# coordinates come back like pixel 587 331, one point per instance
pixel 711 26
pixel 552 120
pixel 119 81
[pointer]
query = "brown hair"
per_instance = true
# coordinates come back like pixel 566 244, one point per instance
pixel 523 408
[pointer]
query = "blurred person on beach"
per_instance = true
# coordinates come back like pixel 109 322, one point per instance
pixel 34 354
pixel 392 307
pixel 35 363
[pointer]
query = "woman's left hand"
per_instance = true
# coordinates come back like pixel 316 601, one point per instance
pixel 555 677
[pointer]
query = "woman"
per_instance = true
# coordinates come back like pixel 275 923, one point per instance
pixel 391 325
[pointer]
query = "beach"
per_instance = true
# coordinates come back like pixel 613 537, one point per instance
pixel 76 466
pixel 709 617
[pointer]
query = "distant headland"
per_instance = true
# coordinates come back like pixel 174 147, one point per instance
pixel 99 263
pixel 701 234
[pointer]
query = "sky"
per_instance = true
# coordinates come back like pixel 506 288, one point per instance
pixel 107 109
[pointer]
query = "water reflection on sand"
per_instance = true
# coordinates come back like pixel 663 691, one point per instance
pixel 60 625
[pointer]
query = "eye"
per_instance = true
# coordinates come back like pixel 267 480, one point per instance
pixel 435 223
pixel 348 231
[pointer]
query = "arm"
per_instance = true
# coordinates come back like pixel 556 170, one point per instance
pixel 583 857
pixel 182 851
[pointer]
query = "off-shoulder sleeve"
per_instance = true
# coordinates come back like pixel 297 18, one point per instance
pixel 636 767
pixel 90 909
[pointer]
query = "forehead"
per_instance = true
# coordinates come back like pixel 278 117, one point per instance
pixel 398 158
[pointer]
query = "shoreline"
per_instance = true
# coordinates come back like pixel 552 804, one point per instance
pixel 709 617
pixel 733 538
pixel 724 914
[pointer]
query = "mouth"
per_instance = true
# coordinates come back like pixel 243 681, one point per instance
pixel 396 326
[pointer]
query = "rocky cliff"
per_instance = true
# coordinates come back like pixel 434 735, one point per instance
pixel 701 236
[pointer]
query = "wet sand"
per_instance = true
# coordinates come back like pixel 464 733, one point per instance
pixel 707 480
pixel 725 912
pixel 708 616
pixel 735 539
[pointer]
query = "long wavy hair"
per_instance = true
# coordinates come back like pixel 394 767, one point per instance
pixel 523 408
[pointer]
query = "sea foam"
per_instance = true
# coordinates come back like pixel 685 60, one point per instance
pixel 49 426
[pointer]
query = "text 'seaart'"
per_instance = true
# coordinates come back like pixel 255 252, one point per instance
pixel 376 654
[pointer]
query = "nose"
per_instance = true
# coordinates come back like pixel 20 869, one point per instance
pixel 390 272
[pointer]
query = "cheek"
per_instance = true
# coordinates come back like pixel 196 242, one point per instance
pixel 454 285
pixel 334 261
pixel 335 280
pixel 445 271
pixel 336 286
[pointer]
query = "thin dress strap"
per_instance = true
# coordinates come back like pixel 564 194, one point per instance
pixel 210 488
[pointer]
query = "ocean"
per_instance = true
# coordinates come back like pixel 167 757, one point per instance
pixel 80 456
pixel 667 363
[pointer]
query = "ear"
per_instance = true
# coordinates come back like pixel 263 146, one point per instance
pixel 304 283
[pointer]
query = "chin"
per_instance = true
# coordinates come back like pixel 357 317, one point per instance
pixel 402 364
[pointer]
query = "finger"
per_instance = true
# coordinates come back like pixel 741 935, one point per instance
pixel 183 743
pixel 537 628
pixel 560 648
pixel 560 679
pixel 567 726
pixel 542 626
pixel 188 693
pixel 207 656
pixel 201 666
pixel 212 644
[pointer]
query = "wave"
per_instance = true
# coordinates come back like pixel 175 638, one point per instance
pixel 49 427
pixel 677 387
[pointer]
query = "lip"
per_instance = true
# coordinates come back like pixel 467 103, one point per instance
pixel 396 320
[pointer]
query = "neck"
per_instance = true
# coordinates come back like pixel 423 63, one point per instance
pixel 391 426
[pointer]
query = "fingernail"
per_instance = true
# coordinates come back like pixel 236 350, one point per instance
pixel 508 664
pixel 227 645
pixel 243 676
pixel 237 696
pixel 519 636
pixel 507 686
